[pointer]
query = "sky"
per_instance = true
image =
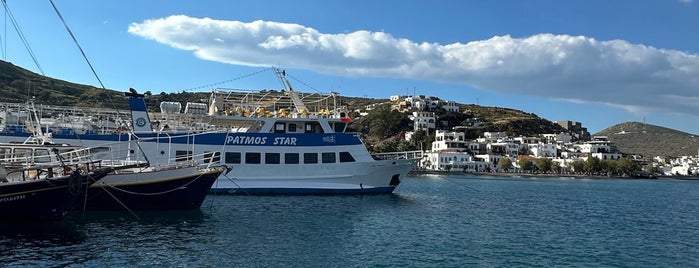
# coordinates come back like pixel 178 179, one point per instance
pixel 597 62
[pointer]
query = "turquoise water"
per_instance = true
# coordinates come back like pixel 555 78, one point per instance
pixel 429 222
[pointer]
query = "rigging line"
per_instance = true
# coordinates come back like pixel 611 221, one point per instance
pixel 75 40
pixel 76 43
pixel 121 203
pixel 22 37
pixel 241 188
pixel 2 47
pixel 157 193
pixel 230 80
pixel 309 86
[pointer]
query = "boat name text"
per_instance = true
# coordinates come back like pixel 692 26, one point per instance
pixel 249 140
pixel 11 198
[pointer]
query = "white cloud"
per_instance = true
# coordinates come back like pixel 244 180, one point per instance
pixel 615 72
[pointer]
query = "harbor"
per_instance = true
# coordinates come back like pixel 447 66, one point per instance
pixel 430 221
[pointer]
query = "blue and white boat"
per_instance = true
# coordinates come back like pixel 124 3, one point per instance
pixel 273 142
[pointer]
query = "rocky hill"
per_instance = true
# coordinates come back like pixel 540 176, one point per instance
pixel 650 140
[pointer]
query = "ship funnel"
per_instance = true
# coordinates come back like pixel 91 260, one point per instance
pixel 140 122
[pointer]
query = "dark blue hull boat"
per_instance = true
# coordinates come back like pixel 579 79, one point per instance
pixel 183 188
pixel 43 199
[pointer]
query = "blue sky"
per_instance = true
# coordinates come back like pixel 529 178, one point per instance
pixel 596 62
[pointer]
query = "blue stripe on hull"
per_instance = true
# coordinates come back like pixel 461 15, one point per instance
pixel 163 195
pixel 214 138
pixel 302 191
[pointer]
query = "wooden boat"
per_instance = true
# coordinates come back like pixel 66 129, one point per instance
pixel 35 187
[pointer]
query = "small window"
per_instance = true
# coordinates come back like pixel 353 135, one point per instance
pixel 252 158
pixel 328 157
pixel 310 158
pixel 183 156
pixel 232 158
pixel 279 128
pixel 292 127
pixel 291 158
pixel 272 158
pixel 346 157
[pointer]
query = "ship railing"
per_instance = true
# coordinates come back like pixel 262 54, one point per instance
pixel 399 155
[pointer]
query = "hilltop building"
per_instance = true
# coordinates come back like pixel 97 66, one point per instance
pixel 576 129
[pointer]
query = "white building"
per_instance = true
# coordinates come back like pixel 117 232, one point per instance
pixel 423 120
pixel 503 148
pixel 684 166
pixel 450 106
pixel 494 136
pixel 558 138
pixel 449 140
pixel 543 150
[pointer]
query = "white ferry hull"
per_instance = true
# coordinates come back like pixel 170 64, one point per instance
pixel 380 177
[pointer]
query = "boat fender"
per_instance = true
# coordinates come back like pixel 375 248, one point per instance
pixel 74 183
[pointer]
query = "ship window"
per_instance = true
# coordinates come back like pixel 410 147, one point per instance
pixel 212 157
pixel 292 127
pixel 328 157
pixel 339 127
pixel 279 128
pixel 232 158
pixel 291 158
pixel 272 158
pixel 346 157
pixel 252 158
pixel 183 156
pixel 313 128
pixel 310 158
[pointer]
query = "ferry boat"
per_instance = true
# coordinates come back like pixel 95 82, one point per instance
pixel 272 141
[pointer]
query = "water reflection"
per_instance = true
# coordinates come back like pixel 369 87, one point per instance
pixel 59 233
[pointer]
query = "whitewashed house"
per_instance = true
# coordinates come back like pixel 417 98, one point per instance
pixel 423 120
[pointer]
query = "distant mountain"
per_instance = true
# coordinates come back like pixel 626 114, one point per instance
pixel 650 140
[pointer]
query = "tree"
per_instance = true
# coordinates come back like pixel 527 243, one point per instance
pixel 543 164
pixel 382 122
pixel 505 163
pixel 556 166
pixel 524 164
pixel 627 166
pixel 577 166
pixel 421 140
pixel 592 164
pixel 609 166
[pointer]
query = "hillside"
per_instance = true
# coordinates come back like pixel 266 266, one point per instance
pixel 18 84
pixel 650 140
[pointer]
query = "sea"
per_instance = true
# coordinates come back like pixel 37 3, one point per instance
pixel 430 221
